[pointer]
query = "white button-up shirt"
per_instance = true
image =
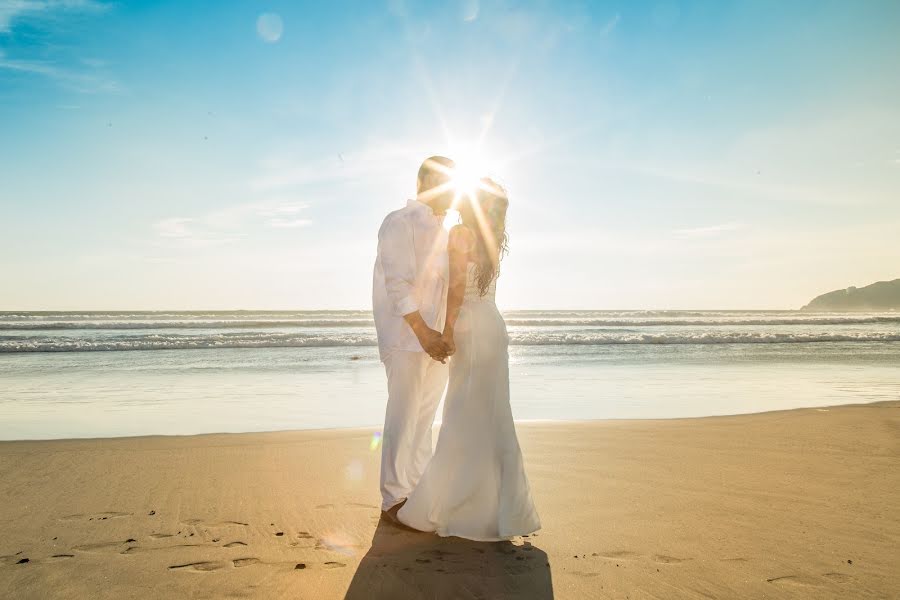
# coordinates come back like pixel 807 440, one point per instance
pixel 411 272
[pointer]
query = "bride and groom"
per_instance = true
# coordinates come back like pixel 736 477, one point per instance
pixel 433 302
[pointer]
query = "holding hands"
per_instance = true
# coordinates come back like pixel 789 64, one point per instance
pixel 447 337
pixel 438 346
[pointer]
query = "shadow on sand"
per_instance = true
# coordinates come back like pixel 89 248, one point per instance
pixel 407 564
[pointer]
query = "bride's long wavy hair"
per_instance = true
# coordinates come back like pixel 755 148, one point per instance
pixel 485 216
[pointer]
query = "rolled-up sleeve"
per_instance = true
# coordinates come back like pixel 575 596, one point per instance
pixel 398 261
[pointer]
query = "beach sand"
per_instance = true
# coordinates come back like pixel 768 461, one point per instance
pixel 792 504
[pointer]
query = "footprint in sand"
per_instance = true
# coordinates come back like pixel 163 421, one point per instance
pixel 439 554
pixel 234 544
pixel 60 556
pixel 334 565
pixel 245 562
pixel 101 516
pixel 617 555
pixel 159 536
pixel 99 546
pixel 321 506
pixel 199 566
pixel 795 580
pixel 668 560
pixel 585 574
pixel 214 523
pixel 137 549
pixel 839 577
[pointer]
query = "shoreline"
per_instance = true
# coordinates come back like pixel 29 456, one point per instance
pixel 369 429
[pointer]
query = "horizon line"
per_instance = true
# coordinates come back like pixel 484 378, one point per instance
pixel 503 309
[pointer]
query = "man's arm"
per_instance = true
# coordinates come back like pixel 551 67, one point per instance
pixel 430 339
pixel 398 260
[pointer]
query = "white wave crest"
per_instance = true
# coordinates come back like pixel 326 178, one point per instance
pixel 189 324
pixel 10 344
pixel 365 321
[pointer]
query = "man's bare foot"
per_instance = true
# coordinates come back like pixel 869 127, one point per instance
pixel 391 513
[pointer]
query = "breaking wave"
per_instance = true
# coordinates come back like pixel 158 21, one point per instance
pixel 365 320
pixel 9 344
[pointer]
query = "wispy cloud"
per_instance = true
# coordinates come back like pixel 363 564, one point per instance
pixel 85 75
pixel 174 227
pixel 289 223
pixel 229 224
pixel 708 231
pixel 15 10
pixel 610 25
pixel 366 163
pixel 191 233
pixel 89 82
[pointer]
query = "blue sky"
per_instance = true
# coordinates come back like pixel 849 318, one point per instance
pixel 657 155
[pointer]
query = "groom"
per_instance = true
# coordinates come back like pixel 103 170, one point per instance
pixel 409 297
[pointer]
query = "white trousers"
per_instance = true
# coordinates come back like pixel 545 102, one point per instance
pixel 416 384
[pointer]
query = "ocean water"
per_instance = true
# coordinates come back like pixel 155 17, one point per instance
pixel 102 374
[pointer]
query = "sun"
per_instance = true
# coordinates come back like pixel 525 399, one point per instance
pixel 471 166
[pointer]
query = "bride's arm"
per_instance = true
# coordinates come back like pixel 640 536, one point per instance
pixel 458 245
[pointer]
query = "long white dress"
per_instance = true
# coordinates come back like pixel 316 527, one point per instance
pixel 475 485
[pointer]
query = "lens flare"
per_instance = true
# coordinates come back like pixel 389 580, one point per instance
pixel 375 442
pixel 269 26
pixel 353 471
pixel 470 167
pixel 465 179
pixel 337 541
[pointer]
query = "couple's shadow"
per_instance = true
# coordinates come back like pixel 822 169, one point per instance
pixel 407 564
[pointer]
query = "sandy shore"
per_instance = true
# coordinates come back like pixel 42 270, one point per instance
pixel 793 504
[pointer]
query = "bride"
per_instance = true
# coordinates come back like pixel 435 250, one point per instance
pixel 475 485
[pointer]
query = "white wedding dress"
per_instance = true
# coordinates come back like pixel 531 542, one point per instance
pixel 475 485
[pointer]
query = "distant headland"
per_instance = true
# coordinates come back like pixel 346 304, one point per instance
pixel 884 295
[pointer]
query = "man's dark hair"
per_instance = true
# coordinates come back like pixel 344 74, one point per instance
pixel 434 171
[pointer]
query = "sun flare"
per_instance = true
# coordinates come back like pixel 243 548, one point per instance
pixel 471 166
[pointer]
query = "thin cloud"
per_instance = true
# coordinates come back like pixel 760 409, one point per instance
pixel 611 24
pixel 175 227
pixel 229 224
pixel 85 82
pixel 709 231
pixel 188 232
pixel 281 173
pixel 86 78
pixel 288 223
pixel 15 10
pixel 240 216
